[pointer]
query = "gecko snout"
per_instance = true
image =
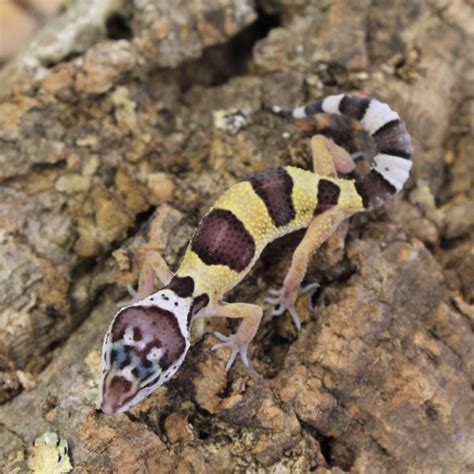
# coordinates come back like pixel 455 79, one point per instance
pixel 144 347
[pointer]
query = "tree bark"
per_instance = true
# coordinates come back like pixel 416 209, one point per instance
pixel 116 129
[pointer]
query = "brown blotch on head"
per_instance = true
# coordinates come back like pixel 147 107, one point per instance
pixel 117 332
pixel 137 334
pixel 222 239
pixel 275 188
pixel 147 349
pixel 158 328
pixel 119 385
pixel 117 392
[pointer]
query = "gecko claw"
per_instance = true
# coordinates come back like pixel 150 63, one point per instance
pixel 311 289
pixel 274 298
pixel 281 302
pixel 236 348
pixel 278 310
pixel 272 301
pixel 280 305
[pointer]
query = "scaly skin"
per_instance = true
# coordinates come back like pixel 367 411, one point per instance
pixel 148 339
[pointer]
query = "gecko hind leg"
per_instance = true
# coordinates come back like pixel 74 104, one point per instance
pixel 237 343
pixel 320 228
pixel 329 158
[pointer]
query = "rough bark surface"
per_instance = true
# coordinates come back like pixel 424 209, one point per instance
pixel 116 129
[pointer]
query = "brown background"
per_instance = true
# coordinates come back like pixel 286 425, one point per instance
pixel 114 132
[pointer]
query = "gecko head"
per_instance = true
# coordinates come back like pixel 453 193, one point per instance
pixel 143 348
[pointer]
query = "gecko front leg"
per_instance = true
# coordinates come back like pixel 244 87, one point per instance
pixel 154 266
pixel 237 343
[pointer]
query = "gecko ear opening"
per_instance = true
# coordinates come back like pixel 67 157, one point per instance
pixel 143 348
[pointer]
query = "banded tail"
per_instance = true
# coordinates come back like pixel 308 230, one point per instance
pixel 392 163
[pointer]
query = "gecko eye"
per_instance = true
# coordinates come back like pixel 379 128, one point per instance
pixel 144 346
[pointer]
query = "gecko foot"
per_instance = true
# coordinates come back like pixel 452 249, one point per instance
pixel 283 301
pixel 235 346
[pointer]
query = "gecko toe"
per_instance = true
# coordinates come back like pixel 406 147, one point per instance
pixel 311 288
pixel 295 317
pixel 282 303
pixel 218 346
pixel 231 360
pixel 272 301
pixel 278 310
pixel 235 347
pixel 221 336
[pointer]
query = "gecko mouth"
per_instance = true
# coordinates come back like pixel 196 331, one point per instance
pixel 118 392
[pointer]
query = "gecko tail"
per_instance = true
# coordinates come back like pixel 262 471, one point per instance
pixel 391 164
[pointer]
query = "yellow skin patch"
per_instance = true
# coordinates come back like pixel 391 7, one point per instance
pixel 213 280
pixel 249 208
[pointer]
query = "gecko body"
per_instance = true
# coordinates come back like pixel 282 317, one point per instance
pixel 147 340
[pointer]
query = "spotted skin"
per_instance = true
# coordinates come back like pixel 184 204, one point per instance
pixel 182 286
pixel 216 273
pixel 149 339
pixel 275 188
pixel 145 344
pixel 328 195
pixel 222 239
pixel 146 328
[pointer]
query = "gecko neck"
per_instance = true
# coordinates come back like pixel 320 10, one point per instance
pixel 184 287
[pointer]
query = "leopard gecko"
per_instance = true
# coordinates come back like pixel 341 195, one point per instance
pixel 148 339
